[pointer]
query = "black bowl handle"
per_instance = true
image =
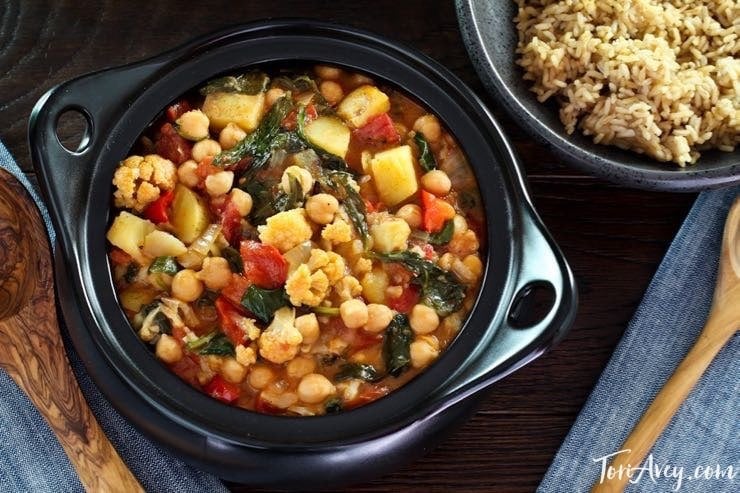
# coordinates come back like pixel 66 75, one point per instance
pixel 511 345
pixel 64 174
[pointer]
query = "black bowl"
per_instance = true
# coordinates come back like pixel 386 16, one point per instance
pixel 245 446
pixel 490 35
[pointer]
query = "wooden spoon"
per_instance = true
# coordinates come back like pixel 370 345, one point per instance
pixel 32 349
pixel 722 324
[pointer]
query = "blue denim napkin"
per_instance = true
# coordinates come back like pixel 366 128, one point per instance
pixel 31 459
pixel 705 433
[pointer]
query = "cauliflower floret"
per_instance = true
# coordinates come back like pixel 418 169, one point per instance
pixel 331 263
pixel 305 287
pixel 140 180
pixel 245 355
pixel 280 341
pixel 286 229
pixel 337 232
pixel 348 287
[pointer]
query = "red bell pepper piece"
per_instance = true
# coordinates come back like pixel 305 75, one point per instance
pixel 263 264
pixel 379 130
pixel 170 145
pixel 220 389
pixel 404 303
pixel 228 316
pixel 435 212
pixel 231 223
pixel 156 212
pixel 235 289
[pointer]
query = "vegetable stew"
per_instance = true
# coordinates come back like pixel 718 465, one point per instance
pixel 298 243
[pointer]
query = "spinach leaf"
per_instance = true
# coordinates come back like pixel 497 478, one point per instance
pixel 362 371
pixel 164 265
pixel 253 82
pixel 304 83
pixel 444 235
pixel 264 302
pixel 164 324
pixel 397 345
pixel 333 405
pixel 216 343
pixel 259 144
pixel 339 184
pixel 426 156
pixel 267 203
pixel 439 289
pixel 234 258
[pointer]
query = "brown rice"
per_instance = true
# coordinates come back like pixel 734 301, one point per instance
pixel 655 76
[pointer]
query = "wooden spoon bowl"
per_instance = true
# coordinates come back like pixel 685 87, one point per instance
pixel 33 353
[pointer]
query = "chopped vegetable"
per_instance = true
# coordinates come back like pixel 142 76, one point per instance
pixel 252 83
pixel 396 346
pixel 264 302
pixel 394 175
pixel 264 266
pixel 426 157
pixel 164 265
pixel 379 130
pixel 190 216
pixel 329 133
pixel 362 371
pixel 220 389
pixel 362 104
pixel 128 232
pixel 229 317
pixel 157 210
pixel 445 235
pixel 435 212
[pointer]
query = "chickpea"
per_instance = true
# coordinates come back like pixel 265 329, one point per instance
pixel 411 213
pixel 328 73
pixel 273 95
pixel 423 319
pixel 354 313
pixel 242 200
pixel 186 286
pixel 429 127
pixel 321 208
pixel 331 91
pixel 230 135
pixel 205 148
pixel 233 371
pixel 167 349
pixel 357 80
pixel 219 183
pixel 378 317
pixel 422 353
pixel 469 269
pixel 308 326
pixel 193 125
pixel 300 366
pixel 437 182
pixel 302 175
pixel 187 174
pixel 314 388
pixel 260 376
pixel 446 261
pixel 215 273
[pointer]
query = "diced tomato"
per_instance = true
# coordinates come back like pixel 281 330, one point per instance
pixel 119 257
pixel 156 212
pixel 290 122
pixel 176 110
pixel 262 406
pixel 205 168
pixel 235 289
pixel 222 390
pixel 231 223
pixel 170 145
pixel 435 212
pixel 404 303
pixel 187 368
pixel 368 393
pixel 263 264
pixel 228 316
pixel 379 130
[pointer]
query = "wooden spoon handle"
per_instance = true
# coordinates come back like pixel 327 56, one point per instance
pixel 44 374
pixel 664 406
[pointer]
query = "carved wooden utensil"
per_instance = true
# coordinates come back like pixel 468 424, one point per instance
pixel 722 324
pixel 32 349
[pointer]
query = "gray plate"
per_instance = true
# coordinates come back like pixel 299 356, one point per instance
pixel 490 36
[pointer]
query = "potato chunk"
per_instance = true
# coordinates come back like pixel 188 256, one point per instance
pixel 128 232
pixel 362 104
pixel 329 133
pixel 189 214
pixel 394 175
pixel 390 236
pixel 223 108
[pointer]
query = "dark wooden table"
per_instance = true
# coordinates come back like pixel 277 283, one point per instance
pixel 613 237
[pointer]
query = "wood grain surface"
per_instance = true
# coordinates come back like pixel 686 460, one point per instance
pixel 613 237
pixel 33 352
